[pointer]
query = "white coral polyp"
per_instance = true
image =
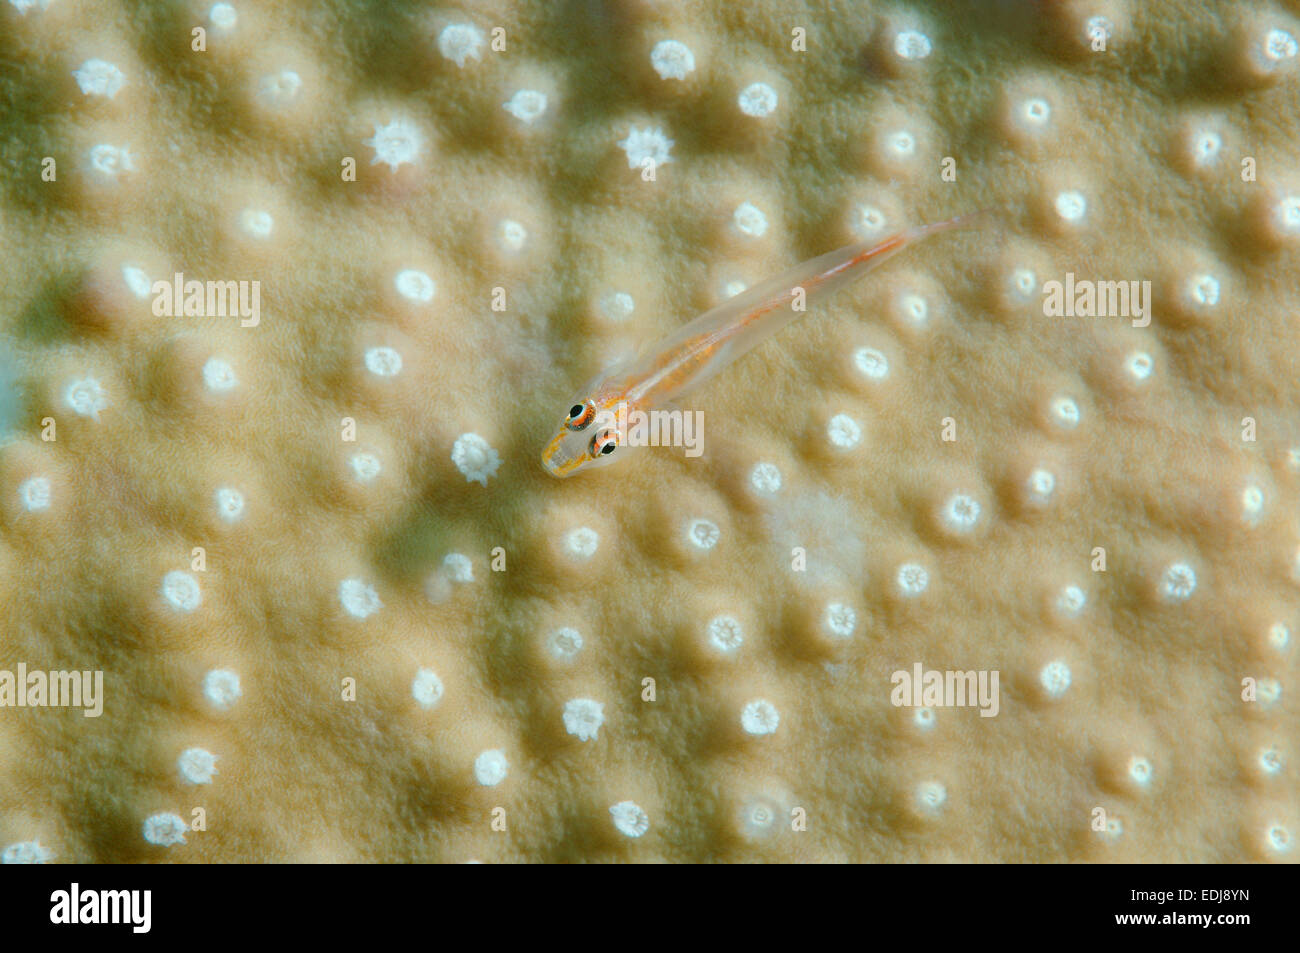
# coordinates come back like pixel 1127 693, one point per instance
pixel 840 620
pixel 912 45
pixel 616 306
pixel 181 591
pixel 383 361
pixel 358 599
pixel 219 375
pixel 34 493
pixel 672 59
pixel 644 146
pixel 415 285
pixel 365 467
pixel 426 688
pixel 758 100
pixel 527 105
pixel 86 397
pixel 197 765
pixel 583 718
pixel 760 717
pixel 137 281
pixel 165 830
pixel 749 220
pixel 221 687
pixel 460 42
pixel 629 818
pixel 581 542
pixel 26 852
pixel 491 768
pixel 256 223
pixel 229 503
pixel 458 567
pixel 98 77
pixel 475 458
pixel 396 143
pixel 565 644
pixel 279 89
pixel 1178 582
pixel 109 160
pixel 725 633
pixel 223 16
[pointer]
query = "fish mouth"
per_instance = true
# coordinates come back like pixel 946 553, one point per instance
pixel 561 468
pixel 556 463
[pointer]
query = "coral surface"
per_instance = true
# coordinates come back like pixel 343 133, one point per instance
pixel 296 518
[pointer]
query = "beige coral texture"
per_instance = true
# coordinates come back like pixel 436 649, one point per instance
pixel 343 613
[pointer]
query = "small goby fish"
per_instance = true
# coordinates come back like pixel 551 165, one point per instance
pixel 589 436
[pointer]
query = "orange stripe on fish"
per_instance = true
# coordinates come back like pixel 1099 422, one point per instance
pixel 700 349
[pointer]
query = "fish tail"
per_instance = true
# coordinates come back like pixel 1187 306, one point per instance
pixel 966 220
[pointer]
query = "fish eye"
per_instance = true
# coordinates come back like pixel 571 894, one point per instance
pixel 580 415
pixel 604 443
